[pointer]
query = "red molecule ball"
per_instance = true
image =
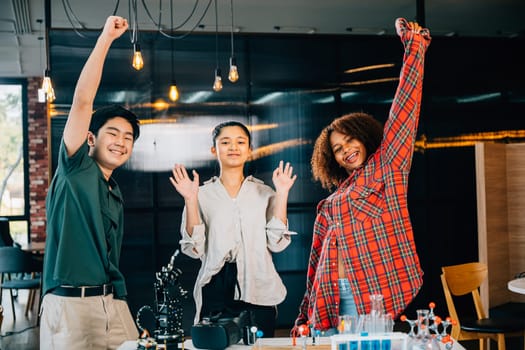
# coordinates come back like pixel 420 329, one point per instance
pixel 303 330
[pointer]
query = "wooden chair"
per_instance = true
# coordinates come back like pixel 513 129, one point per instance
pixel 15 260
pixel 458 280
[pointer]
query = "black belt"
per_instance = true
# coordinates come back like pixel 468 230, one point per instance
pixel 81 292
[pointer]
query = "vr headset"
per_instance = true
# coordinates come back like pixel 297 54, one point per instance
pixel 220 332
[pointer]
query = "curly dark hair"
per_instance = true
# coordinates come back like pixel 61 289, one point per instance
pixel 360 126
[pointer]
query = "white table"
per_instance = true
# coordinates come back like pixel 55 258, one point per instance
pixel 132 345
pixel 268 344
pixel 517 285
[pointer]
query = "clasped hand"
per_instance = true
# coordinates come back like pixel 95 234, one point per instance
pixel 115 26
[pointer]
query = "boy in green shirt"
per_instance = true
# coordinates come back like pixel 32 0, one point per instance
pixel 84 291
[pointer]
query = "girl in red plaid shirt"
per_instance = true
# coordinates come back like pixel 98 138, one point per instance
pixel 363 242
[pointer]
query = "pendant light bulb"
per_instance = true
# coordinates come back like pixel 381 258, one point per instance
pixel 47 87
pixel 51 95
pixel 233 75
pixel 217 84
pixel 174 92
pixel 138 62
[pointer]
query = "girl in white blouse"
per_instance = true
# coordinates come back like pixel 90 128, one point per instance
pixel 232 224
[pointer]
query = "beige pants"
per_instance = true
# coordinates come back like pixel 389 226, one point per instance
pixel 85 323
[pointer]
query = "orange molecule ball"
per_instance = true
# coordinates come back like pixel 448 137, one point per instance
pixel 303 330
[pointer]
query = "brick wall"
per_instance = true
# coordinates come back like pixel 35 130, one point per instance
pixel 38 160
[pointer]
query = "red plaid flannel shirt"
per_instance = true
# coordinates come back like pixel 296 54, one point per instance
pixel 366 220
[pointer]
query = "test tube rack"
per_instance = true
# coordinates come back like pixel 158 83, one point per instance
pixel 365 341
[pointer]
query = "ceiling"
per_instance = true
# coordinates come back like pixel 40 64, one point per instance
pixel 22 27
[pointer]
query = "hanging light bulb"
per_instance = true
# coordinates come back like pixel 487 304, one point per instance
pixel 233 74
pixel 47 87
pixel 51 95
pixel 217 84
pixel 174 92
pixel 138 62
pixel 46 84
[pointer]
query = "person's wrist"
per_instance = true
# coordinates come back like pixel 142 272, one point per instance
pixel 283 194
pixel 105 39
pixel 191 199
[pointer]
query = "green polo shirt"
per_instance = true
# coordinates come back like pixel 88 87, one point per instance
pixel 84 226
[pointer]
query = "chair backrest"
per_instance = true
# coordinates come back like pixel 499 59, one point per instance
pixel 460 280
pixel 5 233
pixel 14 260
pixel 464 278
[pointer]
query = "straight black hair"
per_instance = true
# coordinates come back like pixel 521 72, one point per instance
pixel 217 130
pixel 103 114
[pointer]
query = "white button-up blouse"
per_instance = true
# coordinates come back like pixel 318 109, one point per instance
pixel 241 230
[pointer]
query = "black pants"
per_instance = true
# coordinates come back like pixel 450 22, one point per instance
pixel 218 297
